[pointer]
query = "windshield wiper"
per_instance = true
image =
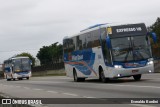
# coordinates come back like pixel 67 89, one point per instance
pixel 136 52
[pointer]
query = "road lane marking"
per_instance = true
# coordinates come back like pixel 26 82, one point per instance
pixel 141 105
pixel 70 94
pixel 88 97
pixel 18 86
pixel 133 86
pixel 37 89
pixel 26 87
pixel 52 92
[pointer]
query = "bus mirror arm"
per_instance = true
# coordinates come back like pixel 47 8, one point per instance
pixel 153 36
pixel 108 42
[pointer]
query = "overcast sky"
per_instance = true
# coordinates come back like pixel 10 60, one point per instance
pixel 27 25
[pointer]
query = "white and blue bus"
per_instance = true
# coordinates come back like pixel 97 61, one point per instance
pixel 109 51
pixel 17 68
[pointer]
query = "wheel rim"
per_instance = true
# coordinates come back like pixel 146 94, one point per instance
pixel 75 76
pixel 102 76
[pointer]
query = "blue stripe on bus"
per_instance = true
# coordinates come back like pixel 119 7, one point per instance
pixel 22 72
pixel 81 60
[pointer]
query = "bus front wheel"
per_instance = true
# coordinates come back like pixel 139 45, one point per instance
pixel 137 77
pixel 102 76
pixel 20 78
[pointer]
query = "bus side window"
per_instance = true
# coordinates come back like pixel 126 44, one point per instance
pixel 95 38
pixel 79 43
pixel 65 46
pixel 89 40
pixel 68 45
pixel 83 40
pixel 74 48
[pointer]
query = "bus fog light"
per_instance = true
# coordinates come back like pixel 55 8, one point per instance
pixel 150 71
pixel 117 66
pixel 119 75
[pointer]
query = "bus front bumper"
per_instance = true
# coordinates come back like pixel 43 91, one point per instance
pixel 123 72
pixel 22 75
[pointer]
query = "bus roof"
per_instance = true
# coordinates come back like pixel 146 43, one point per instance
pixel 19 57
pixel 97 26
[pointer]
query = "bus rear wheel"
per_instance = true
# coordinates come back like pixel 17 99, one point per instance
pixel 137 77
pixel 8 79
pixel 76 79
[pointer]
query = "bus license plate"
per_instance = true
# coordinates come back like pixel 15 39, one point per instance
pixel 134 71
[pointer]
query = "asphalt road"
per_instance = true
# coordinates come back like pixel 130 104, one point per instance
pixel 64 87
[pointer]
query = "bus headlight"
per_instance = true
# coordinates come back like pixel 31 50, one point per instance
pixel 117 66
pixel 150 63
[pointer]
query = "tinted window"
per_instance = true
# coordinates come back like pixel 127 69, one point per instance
pixel 68 45
pixel 95 38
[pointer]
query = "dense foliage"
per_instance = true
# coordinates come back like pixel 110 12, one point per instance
pixel 156 46
pixel 50 54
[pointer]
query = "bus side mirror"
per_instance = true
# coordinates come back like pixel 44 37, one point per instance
pixel 108 42
pixel 153 35
pixel 31 62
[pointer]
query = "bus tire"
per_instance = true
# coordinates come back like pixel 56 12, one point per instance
pixel 20 78
pixel 76 79
pixel 27 78
pixel 102 76
pixel 83 79
pixel 8 79
pixel 137 77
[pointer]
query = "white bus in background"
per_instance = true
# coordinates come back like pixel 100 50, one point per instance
pixel 109 51
pixel 17 68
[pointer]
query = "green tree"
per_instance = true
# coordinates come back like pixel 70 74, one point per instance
pixel 156 46
pixel 50 54
pixel 28 55
pixel 156 27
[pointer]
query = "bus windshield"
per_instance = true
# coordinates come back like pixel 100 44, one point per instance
pixel 26 64
pixel 133 48
pixel 21 65
pixel 17 65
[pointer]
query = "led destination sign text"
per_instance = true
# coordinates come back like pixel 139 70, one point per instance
pixel 129 29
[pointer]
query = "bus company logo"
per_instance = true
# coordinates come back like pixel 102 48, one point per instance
pixel 6 101
pixel 78 57
pixel 133 65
